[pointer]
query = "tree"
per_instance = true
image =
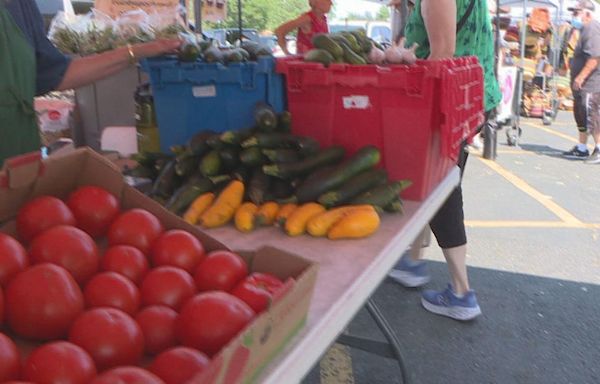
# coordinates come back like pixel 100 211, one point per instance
pixel 383 13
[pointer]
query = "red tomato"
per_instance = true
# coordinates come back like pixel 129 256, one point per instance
pixel 69 247
pixel 109 289
pixel 40 214
pixel 127 375
pixel 179 364
pixel 1 307
pixel 42 302
pixel 210 320
pixel 220 271
pixel 136 227
pixel 158 326
pixel 179 249
pixel 94 209
pixel 257 290
pixel 13 258
pixel 109 335
pixel 59 362
pixel 170 286
pixel 126 260
pixel 10 364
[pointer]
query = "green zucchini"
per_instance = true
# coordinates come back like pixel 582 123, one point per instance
pixel 215 142
pixel 230 158
pixel 186 163
pixel 366 158
pixel 280 188
pixel 148 159
pixel 265 117
pixel 242 174
pixel 166 182
pixel 258 186
pixel 236 137
pixel 281 155
pixel 395 206
pixel 382 195
pixel 353 187
pixel 141 171
pixel 198 144
pixel 252 157
pixel 331 155
pixel 210 165
pixel 196 186
pixel 284 122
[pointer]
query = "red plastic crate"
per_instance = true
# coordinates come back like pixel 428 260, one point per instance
pixel 416 115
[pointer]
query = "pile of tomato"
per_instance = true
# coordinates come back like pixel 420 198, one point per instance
pixel 102 291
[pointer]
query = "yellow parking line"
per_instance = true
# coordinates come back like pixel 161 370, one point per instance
pixel 546 201
pixel 553 132
pixel 528 224
pixel 336 366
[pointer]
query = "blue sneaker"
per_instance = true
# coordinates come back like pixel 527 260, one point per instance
pixel 446 303
pixel 410 273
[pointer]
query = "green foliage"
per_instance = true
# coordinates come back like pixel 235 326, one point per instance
pixel 383 13
pixel 261 14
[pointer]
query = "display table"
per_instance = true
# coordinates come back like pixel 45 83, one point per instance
pixel 349 273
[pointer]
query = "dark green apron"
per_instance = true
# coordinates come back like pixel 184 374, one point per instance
pixel 18 124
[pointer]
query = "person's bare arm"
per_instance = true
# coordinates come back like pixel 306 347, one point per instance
pixel 440 21
pixel 590 65
pixel 285 28
pixel 86 70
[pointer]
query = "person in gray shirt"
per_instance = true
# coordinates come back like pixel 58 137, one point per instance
pixel 585 81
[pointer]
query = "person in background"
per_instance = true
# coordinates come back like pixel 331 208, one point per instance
pixel 434 24
pixel 30 65
pixel 308 24
pixel 585 82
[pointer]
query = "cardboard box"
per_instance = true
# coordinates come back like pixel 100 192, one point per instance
pixel 25 177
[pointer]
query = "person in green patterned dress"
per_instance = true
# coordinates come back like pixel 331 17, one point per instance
pixel 433 25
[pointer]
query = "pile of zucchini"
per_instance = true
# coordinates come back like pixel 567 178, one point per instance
pixel 206 51
pixel 350 47
pixel 281 175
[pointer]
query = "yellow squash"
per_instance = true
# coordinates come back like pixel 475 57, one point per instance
pixel 198 207
pixel 244 217
pixel 224 207
pixel 296 223
pixel 357 224
pixel 266 213
pixel 320 224
pixel 284 212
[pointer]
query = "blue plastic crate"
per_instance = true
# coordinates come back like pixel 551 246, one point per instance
pixel 194 97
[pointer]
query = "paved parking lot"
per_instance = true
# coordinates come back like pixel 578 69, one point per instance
pixel 533 222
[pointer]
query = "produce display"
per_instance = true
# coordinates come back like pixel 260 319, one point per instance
pixel 264 176
pixel 195 49
pixel 355 47
pixel 104 292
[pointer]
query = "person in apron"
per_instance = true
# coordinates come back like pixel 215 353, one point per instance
pixel 444 29
pixel 30 65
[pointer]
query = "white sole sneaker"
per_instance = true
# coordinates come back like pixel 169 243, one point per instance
pixel 457 313
pixel 407 279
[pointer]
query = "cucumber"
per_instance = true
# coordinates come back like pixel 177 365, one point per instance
pixel 382 195
pixel 394 207
pixel 331 155
pixel 196 186
pixel 319 56
pixel 258 186
pixel 353 187
pixel 186 164
pixel 197 143
pixel 166 182
pixel 236 137
pixel 252 157
pixel 366 158
pixel 265 117
pixel 148 159
pixel 210 165
pixel 282 155
pixel 324 42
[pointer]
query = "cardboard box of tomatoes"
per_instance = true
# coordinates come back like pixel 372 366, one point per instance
pixel 24 179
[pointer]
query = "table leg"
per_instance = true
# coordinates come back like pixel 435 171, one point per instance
pixel 389 349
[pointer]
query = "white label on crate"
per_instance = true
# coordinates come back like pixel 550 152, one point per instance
pixel 205 91
pixel 356 102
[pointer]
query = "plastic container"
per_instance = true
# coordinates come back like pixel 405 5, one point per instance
pixel 416 115
pixel 194 97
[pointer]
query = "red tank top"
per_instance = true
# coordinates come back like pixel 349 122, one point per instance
pixel 317 25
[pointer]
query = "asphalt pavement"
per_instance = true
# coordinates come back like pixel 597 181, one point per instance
pixel 533 224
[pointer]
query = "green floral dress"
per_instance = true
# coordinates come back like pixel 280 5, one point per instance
pixel 475 38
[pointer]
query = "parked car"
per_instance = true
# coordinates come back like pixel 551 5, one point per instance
pixel 380 31
pixel 228 36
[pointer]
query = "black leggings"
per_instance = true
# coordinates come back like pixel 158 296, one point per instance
pixel 448 224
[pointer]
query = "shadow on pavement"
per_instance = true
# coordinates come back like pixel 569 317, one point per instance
pixel 533 330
